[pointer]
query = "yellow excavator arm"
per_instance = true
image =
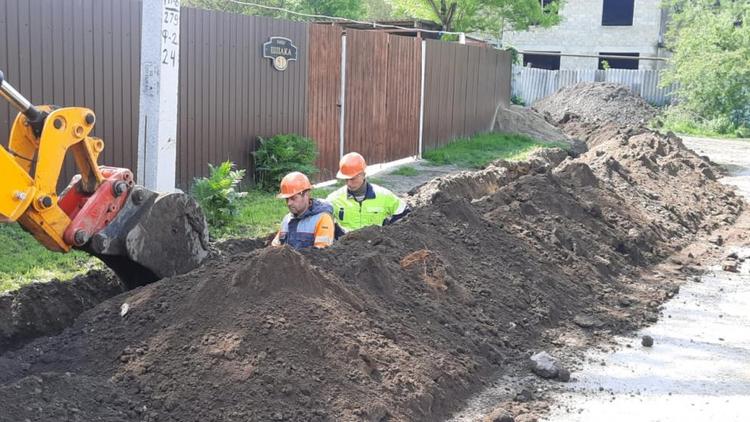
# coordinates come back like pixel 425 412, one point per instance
pixel 140 234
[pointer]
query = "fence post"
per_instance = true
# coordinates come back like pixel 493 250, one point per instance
pixel 157 122
pixel 343 96
pixel 421 100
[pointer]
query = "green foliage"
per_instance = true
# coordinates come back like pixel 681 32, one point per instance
pixel 217 194
pixel 282 154
pixel 481 15
pixel 515 56
pixel 710 65
pixel 353 9
pixel 23 260
pixel 678 120
pixel 605 65
pixel 515 99
pixel 378 10
pixel 405 171
pixel 480 150
pixel 259 214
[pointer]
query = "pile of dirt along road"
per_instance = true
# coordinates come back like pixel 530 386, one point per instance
pixel 402 322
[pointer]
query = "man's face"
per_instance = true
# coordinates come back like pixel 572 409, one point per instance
pixel 356 182
pixel 298 203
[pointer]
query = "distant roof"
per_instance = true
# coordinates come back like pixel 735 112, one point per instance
pixel 411 27
pixel 406 28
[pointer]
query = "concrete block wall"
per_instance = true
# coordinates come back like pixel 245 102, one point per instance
pixel 581 31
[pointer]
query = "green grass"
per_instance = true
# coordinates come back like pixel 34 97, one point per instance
pixel 685 125
pixel 260 214
pixel 23 260
pixel 405 171
pixel 691 129
pixel 480 150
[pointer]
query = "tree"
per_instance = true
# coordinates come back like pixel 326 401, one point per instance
pixel 482 15
pixel 710 64
pixel 379 10
pixel 352 9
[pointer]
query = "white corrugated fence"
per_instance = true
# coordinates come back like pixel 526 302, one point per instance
pixel 531 84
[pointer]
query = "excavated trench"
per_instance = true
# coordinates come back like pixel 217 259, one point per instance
pixel 403 322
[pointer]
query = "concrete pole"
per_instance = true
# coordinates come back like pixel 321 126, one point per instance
pixel 157 124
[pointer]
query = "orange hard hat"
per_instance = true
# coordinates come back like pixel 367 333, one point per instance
pixel 351 165
pixel 292 184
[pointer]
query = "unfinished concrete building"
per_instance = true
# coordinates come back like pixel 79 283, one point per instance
pixel 597 27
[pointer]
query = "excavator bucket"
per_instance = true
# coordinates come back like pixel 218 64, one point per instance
pixel 142 235
pixel 153 236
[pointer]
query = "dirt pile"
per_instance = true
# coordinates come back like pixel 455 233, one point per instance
pixel 473 185
pixel 47 308
pixel 394 323
pixel 596 102
pixel 527 121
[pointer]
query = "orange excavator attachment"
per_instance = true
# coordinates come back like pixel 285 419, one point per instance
pixel 142 235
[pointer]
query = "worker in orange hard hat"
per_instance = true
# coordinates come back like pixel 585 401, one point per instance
pixel 361 203
pixel 309 222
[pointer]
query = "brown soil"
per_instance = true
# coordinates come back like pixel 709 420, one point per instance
pixel 47 308
pixel 596 102
pixel 527 121
pixel 402 322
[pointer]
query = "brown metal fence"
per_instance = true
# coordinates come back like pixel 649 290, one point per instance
pixel 383 84
pixel 87 53
pixel 76 53
pixel 229 94
pixel 404 82
pixel 323 96
pixel 463 86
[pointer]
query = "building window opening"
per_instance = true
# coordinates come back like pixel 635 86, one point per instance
pixel 540 61
pixel 617 12
pixel 618 63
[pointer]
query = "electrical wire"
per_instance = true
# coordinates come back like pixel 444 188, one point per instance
pixel 336 18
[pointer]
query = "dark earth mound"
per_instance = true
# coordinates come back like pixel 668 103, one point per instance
pixel 402 322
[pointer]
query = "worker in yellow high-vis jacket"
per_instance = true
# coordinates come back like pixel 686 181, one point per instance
pixel 361 203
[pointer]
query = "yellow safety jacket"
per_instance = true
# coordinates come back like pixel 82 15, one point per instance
pixel 379 207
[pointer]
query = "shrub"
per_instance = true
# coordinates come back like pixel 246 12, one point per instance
pixel 515 99
pixel 217 194
pixel 680 120
pixel 282 154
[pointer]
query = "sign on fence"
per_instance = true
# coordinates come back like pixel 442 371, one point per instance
pixel 281 51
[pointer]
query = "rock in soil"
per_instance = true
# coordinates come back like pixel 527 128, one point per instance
pixel 730 265
pixel 544 365
pixel 647 341
pixel 587 321
pixel 499 415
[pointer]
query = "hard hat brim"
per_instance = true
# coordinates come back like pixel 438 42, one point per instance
pixel 289 195
pixel 341 175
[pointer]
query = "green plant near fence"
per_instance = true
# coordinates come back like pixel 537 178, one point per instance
pixel 282 154
pixel 516 100
pixel 218 194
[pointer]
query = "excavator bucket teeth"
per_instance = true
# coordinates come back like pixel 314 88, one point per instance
pixel 153 236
